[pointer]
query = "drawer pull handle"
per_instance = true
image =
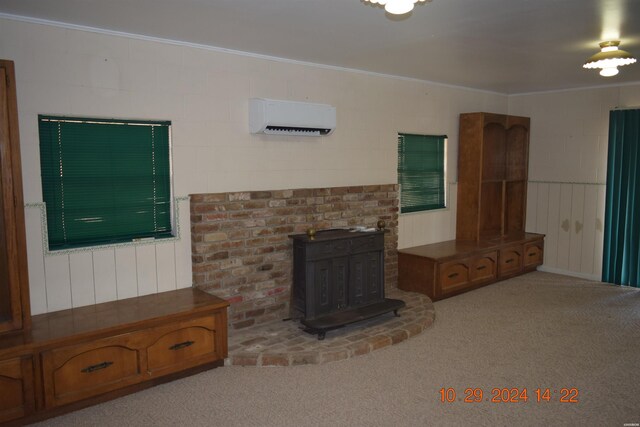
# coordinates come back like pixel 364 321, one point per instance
pixel 97 367
pixel 510 260
pixel 532 254
pixel 181 345
pixel 452 275
pixel 482 267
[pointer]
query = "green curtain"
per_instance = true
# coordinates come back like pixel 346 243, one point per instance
pixel 621 259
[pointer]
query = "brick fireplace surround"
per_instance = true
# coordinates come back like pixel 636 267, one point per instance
pixel 241 250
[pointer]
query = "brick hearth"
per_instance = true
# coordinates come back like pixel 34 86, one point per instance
pixel 282 343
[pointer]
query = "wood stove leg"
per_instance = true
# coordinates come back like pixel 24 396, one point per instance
pixel 314 331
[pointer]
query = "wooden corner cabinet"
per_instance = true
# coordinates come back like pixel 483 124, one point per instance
pixel 74 358
pixel 14 281
pixel 492 175
pixel 491 243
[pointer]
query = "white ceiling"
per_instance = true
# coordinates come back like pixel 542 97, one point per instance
pixel 506 46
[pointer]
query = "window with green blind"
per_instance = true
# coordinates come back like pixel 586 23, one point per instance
pixel 105 181
pixel 421 172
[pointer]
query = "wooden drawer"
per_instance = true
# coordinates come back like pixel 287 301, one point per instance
pixel 533 254
pixel 453 275
pixel 484 268
pixel 16 388
pixel 510 261
pixel 81 371
pixel 182 346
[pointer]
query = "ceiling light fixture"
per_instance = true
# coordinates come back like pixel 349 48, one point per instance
pixel 397 7
pixel 609 59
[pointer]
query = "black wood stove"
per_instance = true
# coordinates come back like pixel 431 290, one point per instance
pixel 338 278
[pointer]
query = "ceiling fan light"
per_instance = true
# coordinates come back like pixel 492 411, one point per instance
pixel 399 7
pixel 609 58
pixel 609 72
pixel 604 62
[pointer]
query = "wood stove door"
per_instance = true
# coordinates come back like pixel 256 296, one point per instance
pixel 366 279
pixel 340 283
pixel 329 286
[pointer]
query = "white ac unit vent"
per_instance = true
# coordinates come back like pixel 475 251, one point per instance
pixel 275 117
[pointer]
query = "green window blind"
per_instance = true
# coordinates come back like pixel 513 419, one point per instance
pixel 421 172
pixel 104 181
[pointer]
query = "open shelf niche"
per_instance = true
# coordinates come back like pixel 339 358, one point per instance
pixel 493 167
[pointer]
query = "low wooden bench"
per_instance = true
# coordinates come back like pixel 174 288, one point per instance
pixel 444 269
pixel 75 358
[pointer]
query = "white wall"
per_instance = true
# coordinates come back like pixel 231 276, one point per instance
pixel 567 172
pixel 205 94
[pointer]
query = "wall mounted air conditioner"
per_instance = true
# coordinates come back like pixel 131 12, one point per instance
pixel 275 117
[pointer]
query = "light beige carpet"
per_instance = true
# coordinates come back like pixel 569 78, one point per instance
pixel 536 331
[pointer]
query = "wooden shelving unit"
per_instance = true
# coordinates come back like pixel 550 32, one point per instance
pixel 492 175
pixel 491 243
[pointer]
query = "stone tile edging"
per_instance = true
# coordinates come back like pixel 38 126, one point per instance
pixel 283 343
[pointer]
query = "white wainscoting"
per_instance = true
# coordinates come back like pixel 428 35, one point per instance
pixel 423 228
pixel 571 215
pixel 95 275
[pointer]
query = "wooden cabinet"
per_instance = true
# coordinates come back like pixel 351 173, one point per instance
pixel 16 388
pixel 89 354
pixel 14 282
pixel 492 175
pixel 77 372
pixel 444 269
pixel 339 278
pixel 491 243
